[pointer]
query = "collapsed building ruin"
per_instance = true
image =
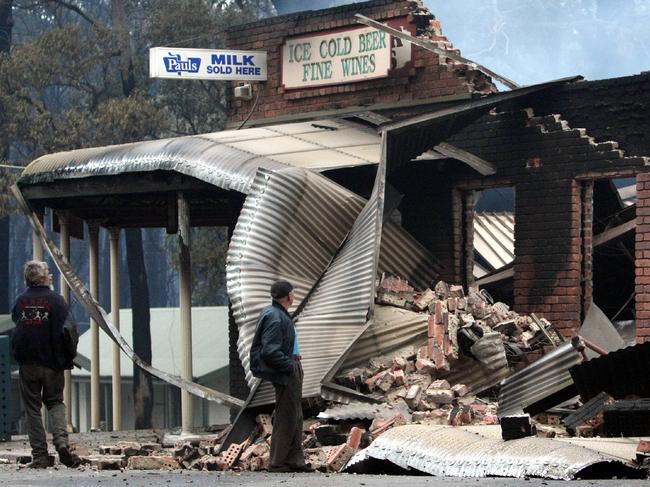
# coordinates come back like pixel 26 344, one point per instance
pixel 381 176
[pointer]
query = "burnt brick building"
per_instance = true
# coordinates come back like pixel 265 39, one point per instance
pixel 559 149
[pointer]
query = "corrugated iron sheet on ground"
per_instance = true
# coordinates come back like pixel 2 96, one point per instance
pixel 541 379
pixel 455 452
pixel 362 410
pixel 619 373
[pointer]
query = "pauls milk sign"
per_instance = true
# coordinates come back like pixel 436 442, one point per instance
pixel 168 62
pixel 334 58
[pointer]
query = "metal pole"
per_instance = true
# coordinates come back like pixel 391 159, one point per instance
pixel 114 236
pixel 185 303
pixel 93 265
pixel 64 224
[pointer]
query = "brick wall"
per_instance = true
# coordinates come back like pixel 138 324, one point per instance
pixel 642 251
pixel 542 156
pixel 610 109
pixel 426 77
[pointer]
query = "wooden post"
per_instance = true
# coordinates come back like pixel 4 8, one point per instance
pixel 114 236
pixel 185 304
pixel 93 266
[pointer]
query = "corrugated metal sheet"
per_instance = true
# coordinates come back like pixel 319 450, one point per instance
pixel 494 237
pixel 618 373
pixel 539 380
pixel 300 226
pixel 227 159
pixel 392 328
pixel 304 228
pixel 360 410
pixel 455 452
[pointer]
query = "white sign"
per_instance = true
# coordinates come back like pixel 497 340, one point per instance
pixel 340 57
pixel 169 62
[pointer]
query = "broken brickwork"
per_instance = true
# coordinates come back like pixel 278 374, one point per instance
pixel 642 251
pixel 425 77
pixel 544 158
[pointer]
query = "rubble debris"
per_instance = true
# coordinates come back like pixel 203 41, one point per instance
pixel 589 414
pixel 151 463
pixel 339 456
pixel 516 426
pixel 330 435
pixel 621 373
pixel 627 418
pixel 643 453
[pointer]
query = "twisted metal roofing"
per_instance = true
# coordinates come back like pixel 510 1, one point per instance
pixel 539 380
pixel 456 452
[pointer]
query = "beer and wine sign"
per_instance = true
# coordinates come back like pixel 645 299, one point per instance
pixel 344 56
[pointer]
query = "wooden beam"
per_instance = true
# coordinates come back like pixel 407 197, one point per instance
pixel 120 184
pixel 499 276
pixel 615 232
pixel 482 166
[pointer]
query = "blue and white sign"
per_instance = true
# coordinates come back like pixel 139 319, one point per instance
pixel 169 62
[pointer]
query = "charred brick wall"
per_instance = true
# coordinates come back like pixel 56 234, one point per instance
pixel 426 77
pixel 642 251
pixel 545 158
pixel 611 109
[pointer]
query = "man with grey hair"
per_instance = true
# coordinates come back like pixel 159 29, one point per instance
pixel 38 347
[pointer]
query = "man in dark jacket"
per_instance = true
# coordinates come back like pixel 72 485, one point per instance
pixel 275 357
pixel 38 347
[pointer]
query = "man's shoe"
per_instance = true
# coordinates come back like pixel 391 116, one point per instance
pixel 68 458
pixel 39 462
pixel 307 467
pixel 280 469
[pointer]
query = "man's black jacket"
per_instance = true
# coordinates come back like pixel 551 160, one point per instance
pixel 272 347
pixel 39 314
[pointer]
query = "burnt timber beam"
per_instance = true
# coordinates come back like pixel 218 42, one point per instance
pixel 122 184
pixel 615 232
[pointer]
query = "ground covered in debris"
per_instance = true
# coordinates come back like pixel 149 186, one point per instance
pixel 445 374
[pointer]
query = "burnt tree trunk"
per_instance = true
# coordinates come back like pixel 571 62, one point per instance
pixel 6 25
pixel 142 381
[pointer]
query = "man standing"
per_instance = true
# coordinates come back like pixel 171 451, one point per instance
pixel 275 357
pixel 38 347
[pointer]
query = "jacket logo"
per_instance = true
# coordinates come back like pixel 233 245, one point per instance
pixel 174 64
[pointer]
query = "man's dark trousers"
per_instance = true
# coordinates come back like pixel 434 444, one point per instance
pixel 42 385
pixel 286 441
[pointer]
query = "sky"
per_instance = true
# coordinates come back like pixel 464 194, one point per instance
pixel 531 41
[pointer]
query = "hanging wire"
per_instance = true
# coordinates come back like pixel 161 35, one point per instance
pixel 9 166
pixel 623 307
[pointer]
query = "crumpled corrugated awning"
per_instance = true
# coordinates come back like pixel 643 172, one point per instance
pixel 227 159
pixel 456 452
